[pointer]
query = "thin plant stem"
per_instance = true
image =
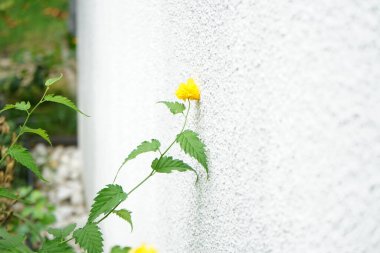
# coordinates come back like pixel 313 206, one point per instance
pixel 143 181
pixel 153 171
pixel 166 150
pixel 183 128
pixel 24 124
pixel 129 193
pixel 9 213
pixel 117 173
pixel 66 241
pixel 149 176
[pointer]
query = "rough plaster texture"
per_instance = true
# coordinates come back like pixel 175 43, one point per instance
pixel 290 114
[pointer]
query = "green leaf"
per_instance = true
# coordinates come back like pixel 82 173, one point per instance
pixel 64 101
pixel 22 106
pixel 193 146
pixel 174 107
pixel 22 155
pixel 62 233
pixel 167 165
pixel 125 215
pixel 89 238
pixel 118 249
pixel 6 193
pixel 12 243
pixel 53 80
pixel 56 246
pixel 7 107
pixel 38 131
pixel 106 200
pixel 144 147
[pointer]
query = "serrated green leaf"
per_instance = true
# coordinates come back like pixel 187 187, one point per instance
pixel 22 106
pixel 64 101
pixel 63 232
pixel 118 249
pixel 89 238
pixel 167 164
pixel 106 200
pixel 6 193
pixel 193 146
pixel 38 131
pixel 174 107
pixel 53 80
pixel 12 243
pixel 56 246
pixel 146 146
pixel 125 215
pixel 7 107
pixel 22 155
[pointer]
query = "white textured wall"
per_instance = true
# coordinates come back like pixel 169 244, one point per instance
pixel 290 113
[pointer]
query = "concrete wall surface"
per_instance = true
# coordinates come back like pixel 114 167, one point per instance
pixel 289 113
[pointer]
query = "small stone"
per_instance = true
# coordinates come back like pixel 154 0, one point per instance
pixel 79 210
pixel 75 164
pixel 64 193
pixel 75 185
pixel 77 198
pixel 40 160
pixel 63 213
pixel 74 175
pixel 40 150
pixel 48 174
pixel 65 158
pixel 63 172
pixel 56 153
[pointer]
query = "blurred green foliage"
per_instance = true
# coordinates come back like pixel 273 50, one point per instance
pixel 118 249
pixel 32 217
pixel 34 44
pixel 35 26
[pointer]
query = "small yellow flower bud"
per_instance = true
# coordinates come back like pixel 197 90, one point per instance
pixel 188 90
pixel 144 249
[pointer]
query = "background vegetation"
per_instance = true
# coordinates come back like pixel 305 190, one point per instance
pixel 35 43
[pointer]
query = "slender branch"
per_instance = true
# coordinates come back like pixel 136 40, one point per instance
pixel 71 238
pixel 143 181
pixel 129 193
pixel 12 144
pixel 166 150
pixel 10 212
pixel 152 172
pixel 24 124
pixel 183 128
pixel 117 173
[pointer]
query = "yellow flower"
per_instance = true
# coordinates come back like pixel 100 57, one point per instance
pixel 188 90
pixel 144 249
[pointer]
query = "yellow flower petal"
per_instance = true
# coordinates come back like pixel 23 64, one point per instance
pixel 188 90
pixel 144 249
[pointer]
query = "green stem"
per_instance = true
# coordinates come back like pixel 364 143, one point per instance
pixel 24 124
pixel 117 173
pixel 166 150
pixel 66 241
pixel 129 193
pixel 143 181
pixel 153 171
pixel 183 128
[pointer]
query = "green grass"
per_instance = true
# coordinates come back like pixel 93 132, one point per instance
pixel 34 37
pixel 32 25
